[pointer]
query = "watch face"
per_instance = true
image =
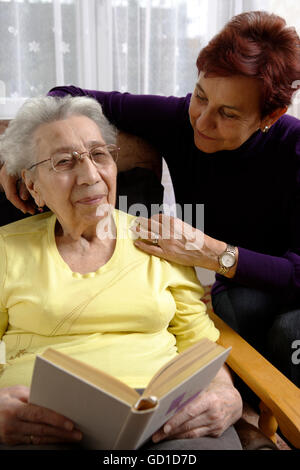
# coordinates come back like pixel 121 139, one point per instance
pixel 228 260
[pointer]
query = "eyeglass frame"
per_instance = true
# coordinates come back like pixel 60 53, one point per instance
pixel 79 157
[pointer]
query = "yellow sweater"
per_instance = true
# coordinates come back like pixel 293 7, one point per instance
pixel 128 318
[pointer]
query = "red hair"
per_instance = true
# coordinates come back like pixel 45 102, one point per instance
pixel 257 44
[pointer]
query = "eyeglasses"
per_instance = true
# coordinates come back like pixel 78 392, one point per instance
pixel 101 156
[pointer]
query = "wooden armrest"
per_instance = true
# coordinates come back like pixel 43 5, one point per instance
pixel 278 393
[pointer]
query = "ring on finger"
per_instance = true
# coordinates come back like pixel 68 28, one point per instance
pixel 155 239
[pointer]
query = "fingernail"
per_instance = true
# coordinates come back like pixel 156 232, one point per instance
pixel 167 429
pixel 69 426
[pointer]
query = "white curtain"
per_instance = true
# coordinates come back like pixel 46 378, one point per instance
pixel 140 46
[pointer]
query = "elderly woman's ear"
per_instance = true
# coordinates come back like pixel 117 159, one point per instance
pixel 33 187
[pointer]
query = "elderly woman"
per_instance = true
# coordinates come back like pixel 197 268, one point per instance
pixel 231 147
pixel 73 279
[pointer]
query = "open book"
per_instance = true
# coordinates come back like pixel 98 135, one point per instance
pixel 112 415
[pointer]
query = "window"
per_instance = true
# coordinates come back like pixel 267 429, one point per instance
pixel 141 46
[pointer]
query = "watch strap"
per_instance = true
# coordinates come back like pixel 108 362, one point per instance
pixel 222 269
pixel 231 249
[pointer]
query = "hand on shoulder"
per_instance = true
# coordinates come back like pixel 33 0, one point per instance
pixel 16 192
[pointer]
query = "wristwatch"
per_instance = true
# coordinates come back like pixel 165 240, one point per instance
pixel 227 259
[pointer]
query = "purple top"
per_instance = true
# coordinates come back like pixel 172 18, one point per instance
pixel 251 195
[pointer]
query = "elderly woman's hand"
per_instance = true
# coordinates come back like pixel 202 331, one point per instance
pixel 178 242
pixel 24 423
pixel 16 193
pixel 210 414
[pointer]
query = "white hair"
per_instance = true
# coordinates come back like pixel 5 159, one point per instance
pixel 17 147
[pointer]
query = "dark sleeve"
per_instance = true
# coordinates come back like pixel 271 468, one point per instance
pixel 275 272
pixel 152 117
pixel 270 272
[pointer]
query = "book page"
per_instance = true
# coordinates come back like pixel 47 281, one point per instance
pixel 95 376
pixel 189 357
pixel 171 381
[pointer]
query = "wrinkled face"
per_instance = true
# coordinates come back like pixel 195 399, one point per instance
pixel 73 196
pixel 224 112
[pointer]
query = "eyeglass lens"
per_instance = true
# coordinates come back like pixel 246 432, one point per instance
pixel 101 156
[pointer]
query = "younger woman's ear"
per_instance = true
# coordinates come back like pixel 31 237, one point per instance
pixel 32 187
pixel 274 116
